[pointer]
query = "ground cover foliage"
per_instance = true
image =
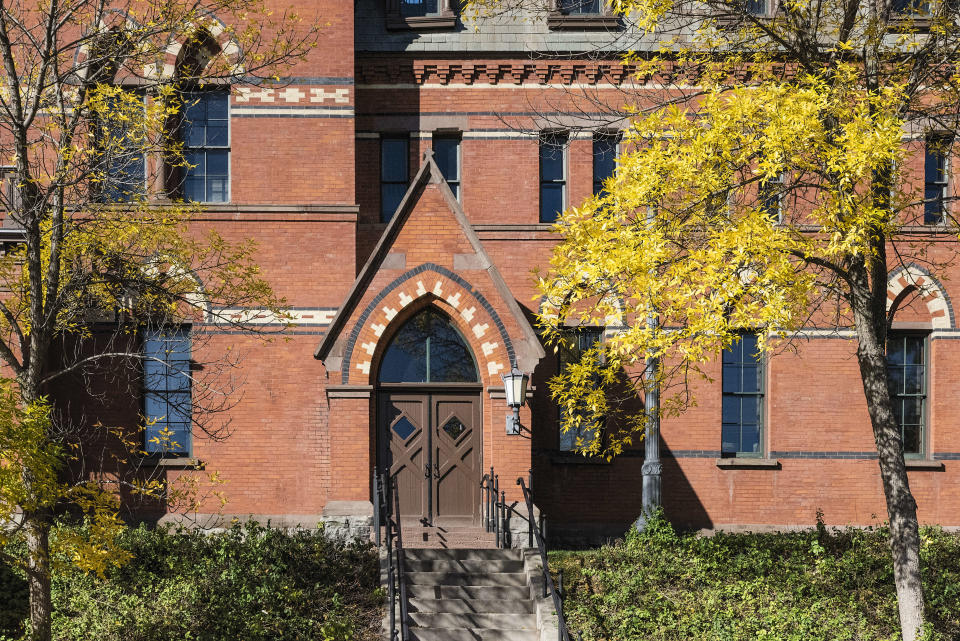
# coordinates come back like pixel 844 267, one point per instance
pixel 250 582
pixel 820 584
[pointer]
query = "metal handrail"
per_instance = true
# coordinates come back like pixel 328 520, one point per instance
pixel 562 633
pixel 388 512
pixel 404 630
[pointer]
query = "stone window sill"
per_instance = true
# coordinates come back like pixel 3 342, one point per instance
pixel 173 462
pixel 565 21
pixel 743 463
pixel 445 20
pixel 924 464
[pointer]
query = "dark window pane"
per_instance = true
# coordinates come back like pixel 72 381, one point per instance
pixel 911 439
pixel 551 162
pixel 417 7
pixel 755 7
pixel 913 379
pixel 551 202
pixel 750 409
pixel 217 162
pixel 730 409
pixel 751 379
pixel 404 428
pixel 217 135
pixel 450 358
pixel 730 438
pixel 604 160
pixel 446 153
pixel 895 351
pixel 895 379
pixel 750 438
pixel 912 411
pixel 731 379
pixel 390 197
pixel 394 157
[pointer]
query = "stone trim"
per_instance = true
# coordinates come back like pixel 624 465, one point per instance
pixel 737 463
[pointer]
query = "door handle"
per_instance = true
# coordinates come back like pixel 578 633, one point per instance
pixel 436 469
pixel 426 471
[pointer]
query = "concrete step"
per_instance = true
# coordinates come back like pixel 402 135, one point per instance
pixel 464 566
pixel 468 634
pixel 501 579
pixel 475 606
pixel 447 620
pixel 434 554
pixel 482 592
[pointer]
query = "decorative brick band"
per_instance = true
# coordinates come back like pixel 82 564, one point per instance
pixel 566 72
pixel 384 307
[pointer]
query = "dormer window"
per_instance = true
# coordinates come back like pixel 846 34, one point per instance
pixel 421 14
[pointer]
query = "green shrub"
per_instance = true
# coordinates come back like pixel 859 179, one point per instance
pixel 250 582
pixel 805 586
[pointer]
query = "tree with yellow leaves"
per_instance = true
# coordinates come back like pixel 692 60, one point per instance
pixel 765 181
pixel 94 97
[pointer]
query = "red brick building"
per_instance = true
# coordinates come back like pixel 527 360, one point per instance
pixel 410 278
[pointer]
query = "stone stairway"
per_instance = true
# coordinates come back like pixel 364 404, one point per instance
pixel 469 594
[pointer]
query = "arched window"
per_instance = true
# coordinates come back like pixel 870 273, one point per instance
pixel 202 127
pixel 428 349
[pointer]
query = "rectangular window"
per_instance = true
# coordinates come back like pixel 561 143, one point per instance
pixel 604 158
pixel 446 152
pixel 553 175
pixel 167 387
pixel 394 173
pixel 122 159
pixel 417 7
pixel 906 373
pixel 936 169
pixel 756 7
pixel 206 146
pixel 576 342
pixel 579 6
pixel 742 403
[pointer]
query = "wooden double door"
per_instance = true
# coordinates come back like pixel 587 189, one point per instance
pixel 430 442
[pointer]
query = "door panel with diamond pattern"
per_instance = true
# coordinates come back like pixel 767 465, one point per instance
pixel 456 454
pixel 405 448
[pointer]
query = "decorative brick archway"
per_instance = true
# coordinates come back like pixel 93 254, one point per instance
pixel 468 308
pixel 911 277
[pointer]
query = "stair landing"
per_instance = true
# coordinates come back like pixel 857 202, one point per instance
pixel 417 536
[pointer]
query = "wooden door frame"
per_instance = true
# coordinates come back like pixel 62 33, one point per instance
pixel 428 390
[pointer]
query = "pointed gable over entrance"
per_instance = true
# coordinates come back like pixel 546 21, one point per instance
pixel 429 255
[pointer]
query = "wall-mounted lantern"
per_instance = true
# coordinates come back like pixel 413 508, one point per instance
pixel 515 390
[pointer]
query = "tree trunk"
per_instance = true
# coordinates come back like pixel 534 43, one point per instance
pixel 38 576
pixel 901 506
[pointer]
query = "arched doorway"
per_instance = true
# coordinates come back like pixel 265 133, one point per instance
pixel 429 421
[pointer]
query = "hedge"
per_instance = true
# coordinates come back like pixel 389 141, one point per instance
pixel 803 586
pixel 249 582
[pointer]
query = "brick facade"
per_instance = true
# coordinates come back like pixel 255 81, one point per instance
pixel 305 168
